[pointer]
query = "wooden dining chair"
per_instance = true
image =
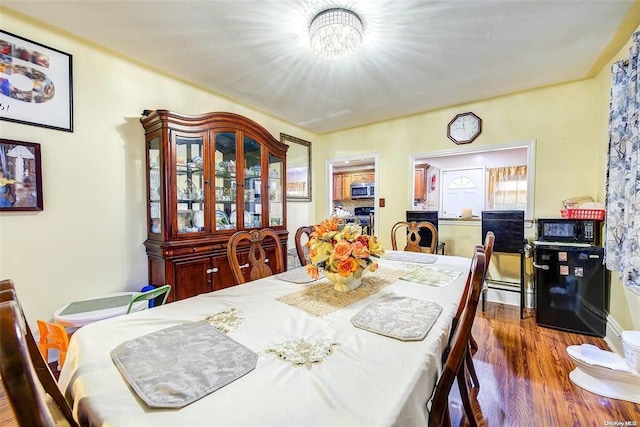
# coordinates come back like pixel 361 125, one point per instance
pixel 455 367
pixel 489 240
pixel 257 257
pixel 473 345
pixel 299 245
pixel 413 235
pixel 160 291
pixel 36 399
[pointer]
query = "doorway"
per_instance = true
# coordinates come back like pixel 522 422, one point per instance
pixel 345 173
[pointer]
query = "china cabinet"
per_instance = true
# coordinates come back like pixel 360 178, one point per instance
pixel 208 176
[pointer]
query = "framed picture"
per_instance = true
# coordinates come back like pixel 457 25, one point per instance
pixel 35 84
pixel 20 176
pixel 298 168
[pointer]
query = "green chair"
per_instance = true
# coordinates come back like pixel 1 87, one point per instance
pixel 152 294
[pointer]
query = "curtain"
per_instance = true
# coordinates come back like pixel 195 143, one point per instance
pixel 508 173
pixel 622 242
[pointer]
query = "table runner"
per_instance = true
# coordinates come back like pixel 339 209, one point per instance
pixel 176 366
pixel 322 299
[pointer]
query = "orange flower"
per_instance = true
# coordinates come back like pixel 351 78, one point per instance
pixel 332 223
pixel 312 271
pixel 346 267
pixel 360 250
pixel 364 239
pixel 342 250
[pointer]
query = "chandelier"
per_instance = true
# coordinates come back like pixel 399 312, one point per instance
pixel 335 33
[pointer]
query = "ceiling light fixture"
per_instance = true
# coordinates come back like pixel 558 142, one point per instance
pixel 335 33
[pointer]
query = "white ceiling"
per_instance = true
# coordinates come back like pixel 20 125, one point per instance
pixel 417 55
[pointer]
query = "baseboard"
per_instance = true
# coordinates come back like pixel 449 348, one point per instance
pixel 614 331
pixel 509 297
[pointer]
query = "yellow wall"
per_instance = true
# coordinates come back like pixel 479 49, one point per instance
pixel 88 240
pixel 561 119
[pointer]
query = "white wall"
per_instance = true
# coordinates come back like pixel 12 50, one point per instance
pixel 89 238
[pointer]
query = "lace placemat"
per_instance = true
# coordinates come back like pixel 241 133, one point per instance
pixel 297 275
pixel 176 366
pixel 431 276
pixel 402 318
pixel 417 257
pixel 322 299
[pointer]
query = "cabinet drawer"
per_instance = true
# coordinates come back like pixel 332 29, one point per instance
pixel 190 250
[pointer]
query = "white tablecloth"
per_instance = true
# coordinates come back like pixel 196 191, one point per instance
pixel 368 380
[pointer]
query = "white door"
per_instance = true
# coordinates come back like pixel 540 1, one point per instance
pixel 462 188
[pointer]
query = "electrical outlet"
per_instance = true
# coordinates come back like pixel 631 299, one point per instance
pixel 382 202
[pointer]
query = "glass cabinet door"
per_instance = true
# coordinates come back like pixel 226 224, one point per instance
pixel 252 184
pixel 225 181
pixel 276 205
pixel 190 182
pixel 155 186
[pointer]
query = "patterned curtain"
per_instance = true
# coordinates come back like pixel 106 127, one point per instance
pixel 622 244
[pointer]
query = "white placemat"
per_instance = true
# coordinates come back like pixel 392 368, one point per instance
pixel 417 257
pixel 431 276
pixel 402 318
pixel 297 275
pixel 176 366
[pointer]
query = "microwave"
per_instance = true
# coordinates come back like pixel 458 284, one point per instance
pixel 362 190
pixel 569 230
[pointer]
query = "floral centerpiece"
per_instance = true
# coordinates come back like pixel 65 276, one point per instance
pixel 342 252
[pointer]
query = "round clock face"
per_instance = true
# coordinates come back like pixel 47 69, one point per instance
pixel 464 128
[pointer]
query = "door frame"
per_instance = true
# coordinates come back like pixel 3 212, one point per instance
pixel 329 164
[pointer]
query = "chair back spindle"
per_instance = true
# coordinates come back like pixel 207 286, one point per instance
pixel 413 235
pixel 257 256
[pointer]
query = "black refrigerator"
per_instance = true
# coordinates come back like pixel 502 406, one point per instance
pixel 572 290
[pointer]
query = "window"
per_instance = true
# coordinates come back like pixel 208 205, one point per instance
pixel 507 188
pixel 489 178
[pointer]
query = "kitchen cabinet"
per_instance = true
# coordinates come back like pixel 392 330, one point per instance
pixel 342 183
pixel 208 176
pixel 338 191
pixel 346 186
pixel 364 176
pixel 420 184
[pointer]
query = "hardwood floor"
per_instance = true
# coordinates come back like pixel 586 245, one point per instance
pixel 523 371
pixel 524 376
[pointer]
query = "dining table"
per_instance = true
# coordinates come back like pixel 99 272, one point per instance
pixel 285 350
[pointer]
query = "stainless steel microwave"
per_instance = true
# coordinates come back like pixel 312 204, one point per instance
pixel 362 190
pixel 569 230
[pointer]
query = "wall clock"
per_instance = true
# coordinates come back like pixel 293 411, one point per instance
pixel 464 128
